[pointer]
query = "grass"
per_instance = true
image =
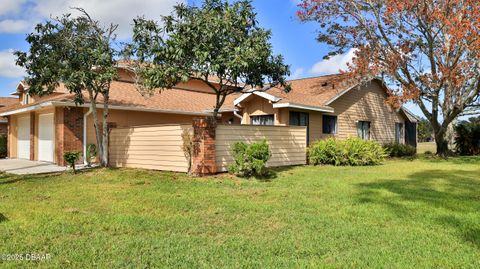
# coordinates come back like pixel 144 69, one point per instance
pixel 403 214
pixel 426 146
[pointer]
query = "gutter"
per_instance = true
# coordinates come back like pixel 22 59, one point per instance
pixel 85 116
pixel 128 108
pixel 300 106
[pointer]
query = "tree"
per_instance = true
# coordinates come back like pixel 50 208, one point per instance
pixel 428 51
pixel 77 52
pixel 425 130
pixel 217 43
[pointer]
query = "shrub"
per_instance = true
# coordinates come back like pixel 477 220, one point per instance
pixel 3 146
pixel 353 151
pixel 467 141
pixel 91 153
pixel 187 147
pixel 71 157
pixel 399 150
pixel 250 159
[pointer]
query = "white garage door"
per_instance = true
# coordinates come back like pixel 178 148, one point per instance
pixel 23 141
pixel 45 137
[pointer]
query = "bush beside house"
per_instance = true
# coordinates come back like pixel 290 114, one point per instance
pixel 399 150
pixel 352 151
pixel 250 159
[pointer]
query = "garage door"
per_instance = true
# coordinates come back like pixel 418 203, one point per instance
pixel 23 144
pixel 45 137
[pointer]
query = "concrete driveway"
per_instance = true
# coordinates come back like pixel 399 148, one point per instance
pixel 26 167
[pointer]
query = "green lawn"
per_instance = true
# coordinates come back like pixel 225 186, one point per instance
pixel 426 146
pixel 403 214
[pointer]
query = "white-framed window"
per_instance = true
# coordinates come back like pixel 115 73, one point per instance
pixel 363 130
pixel 262 120
pixel 25 99
pixel 329 124
pixel 398 132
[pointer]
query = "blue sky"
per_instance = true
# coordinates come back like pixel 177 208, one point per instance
pixel 291 38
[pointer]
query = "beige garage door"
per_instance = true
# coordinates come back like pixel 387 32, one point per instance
pixel 45 137
pixel 23 141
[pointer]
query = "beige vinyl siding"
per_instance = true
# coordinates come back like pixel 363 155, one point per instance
pixel 288 144
pixel 149 147
pixel 366 104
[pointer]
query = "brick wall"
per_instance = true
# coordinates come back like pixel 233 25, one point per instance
pixel 203 159
pixel 68 131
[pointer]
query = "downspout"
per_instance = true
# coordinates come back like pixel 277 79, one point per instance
pixel 235 113
pixel 85 116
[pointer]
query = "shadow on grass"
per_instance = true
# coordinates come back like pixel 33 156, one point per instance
pixel 274 172
pixel 455 193
pixel 3 218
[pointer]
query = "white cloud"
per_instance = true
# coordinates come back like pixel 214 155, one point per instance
pixel 14 26
pixel 8 68
pixel 19 17
pixel 11 6
pixel 121 12
pixel 297 73
pixel 334 64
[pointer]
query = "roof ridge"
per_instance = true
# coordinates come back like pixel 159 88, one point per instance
pixel 320 76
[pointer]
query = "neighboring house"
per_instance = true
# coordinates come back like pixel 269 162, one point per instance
pixel 331 106
pixel 4 103
pixel 42 128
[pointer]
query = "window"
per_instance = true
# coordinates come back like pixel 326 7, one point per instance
pixel 25 99
pixel 329 124
pixel 398 132
pixel 262 120
pixel 298 118
pixel 363 130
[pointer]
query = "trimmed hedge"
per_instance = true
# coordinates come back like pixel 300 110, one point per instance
pixel 467 141
pixel 3 146
pixel 353 152
pixel 400 150
pixel 250 159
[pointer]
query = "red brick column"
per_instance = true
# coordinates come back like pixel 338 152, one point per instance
pixel 32 136
pixel 68 131
pixel 203 159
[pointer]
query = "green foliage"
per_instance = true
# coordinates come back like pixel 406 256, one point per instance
pixel 250 159
pixel 424 130
pixel 353 151
pixel 3 146
pixel 217 38
pixel 91 153
pixel 467 141
pixel 400 150
pixel 71 157
pixel 78 52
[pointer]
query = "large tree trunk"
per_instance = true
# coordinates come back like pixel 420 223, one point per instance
pixel 442 146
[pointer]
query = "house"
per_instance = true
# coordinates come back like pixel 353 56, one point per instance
pixel 331 106
pixel 43 128
pixel 5 102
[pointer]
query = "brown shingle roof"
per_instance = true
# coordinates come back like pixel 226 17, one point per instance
pixel 125 94
pixel 5 103
pixel 315 91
